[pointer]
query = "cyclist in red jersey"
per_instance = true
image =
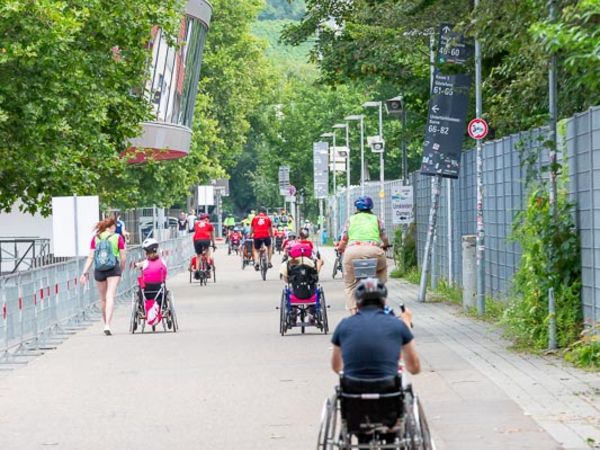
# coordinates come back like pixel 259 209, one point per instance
pixel 261 230
pixel 204 236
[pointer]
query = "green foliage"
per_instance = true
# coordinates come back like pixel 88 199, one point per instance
pixel 585 352
pixel 405 250
pixel 550 259
pixel 386 41
pixel 288 59
pixel 283 9
pixel 70 79
pixel 449 292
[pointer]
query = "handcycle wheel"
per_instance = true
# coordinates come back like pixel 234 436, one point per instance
pixel 243 263
pixel 282 314
pixel 302 319
pixel 324 319
pixel 229 250
pixel 335 268
pixel 214 275
pixel 191 276
pixel 134 308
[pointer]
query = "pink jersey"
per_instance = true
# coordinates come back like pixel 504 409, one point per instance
pixel 154 272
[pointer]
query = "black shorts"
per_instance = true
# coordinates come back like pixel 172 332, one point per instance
pixel 258 242
pixel 102 275
pixel 200 246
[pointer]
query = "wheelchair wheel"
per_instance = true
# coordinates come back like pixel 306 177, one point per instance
pixel 302 319
pixel 282 314
pixel 327 430
pixel 428 443
pixel 173 315
pixel 324 318
pixel 413 434
pixel 214 275
pixel 133 322
pixel 191 276
pixel 335 267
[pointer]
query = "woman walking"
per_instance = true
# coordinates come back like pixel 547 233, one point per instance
pixel 107 252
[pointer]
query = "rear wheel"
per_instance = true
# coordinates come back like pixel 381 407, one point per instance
pixel 263 266
pixel 134 309
pixel 282 314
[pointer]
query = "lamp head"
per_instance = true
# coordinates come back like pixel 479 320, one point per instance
pixel 395 105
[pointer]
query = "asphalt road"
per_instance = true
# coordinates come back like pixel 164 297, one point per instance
pixel 226 380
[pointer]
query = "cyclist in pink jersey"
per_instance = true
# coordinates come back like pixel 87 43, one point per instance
pixel 154 269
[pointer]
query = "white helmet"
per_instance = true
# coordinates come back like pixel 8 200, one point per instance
pixel 150 245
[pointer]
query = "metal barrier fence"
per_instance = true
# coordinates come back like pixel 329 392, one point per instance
pixel 504 195
pixel 42 306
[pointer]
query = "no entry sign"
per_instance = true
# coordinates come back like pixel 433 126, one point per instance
pixel 478 129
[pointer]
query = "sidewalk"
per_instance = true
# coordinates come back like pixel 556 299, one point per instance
pixel 469 375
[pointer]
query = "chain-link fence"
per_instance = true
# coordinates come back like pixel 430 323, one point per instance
pixel 504 196
pixel 40 305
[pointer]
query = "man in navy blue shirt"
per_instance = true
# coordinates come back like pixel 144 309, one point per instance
pixel 369 343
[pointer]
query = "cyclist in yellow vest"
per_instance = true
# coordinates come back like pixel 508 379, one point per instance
pixel 363 237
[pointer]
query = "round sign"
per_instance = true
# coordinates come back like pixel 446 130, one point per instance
pixel 478 129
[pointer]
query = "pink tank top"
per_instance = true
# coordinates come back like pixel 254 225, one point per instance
pixel 154 271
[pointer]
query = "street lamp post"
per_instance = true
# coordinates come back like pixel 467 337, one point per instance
pixel 347 128
pixel 379 104
pixel 361 119
pixel 333 158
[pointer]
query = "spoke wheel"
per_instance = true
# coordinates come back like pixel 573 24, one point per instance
pixel 282 314
pixel 324 318
pixel 133 319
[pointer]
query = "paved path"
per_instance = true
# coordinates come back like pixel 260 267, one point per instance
pixel 227 380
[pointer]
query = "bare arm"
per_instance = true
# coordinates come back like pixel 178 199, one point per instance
pixel 336 359
pixel 122 258
pixel 411 359
pixel 86 267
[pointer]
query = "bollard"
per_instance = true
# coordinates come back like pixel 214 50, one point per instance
pixel 469 271
pixel 552 345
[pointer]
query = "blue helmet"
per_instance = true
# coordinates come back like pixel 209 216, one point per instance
pixel 364 203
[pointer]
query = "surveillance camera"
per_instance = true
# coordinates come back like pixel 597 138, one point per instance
pixel 394 105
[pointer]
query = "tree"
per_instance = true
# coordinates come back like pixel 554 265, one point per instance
pixel 71 74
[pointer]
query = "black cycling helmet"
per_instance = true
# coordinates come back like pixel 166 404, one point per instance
pixel 364 203
pixel 262 209
pixel 370 291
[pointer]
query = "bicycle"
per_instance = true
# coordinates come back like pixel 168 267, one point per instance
pixel 263 261
pixel 204 269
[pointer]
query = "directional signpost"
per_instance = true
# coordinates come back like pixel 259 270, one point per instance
pixel 445 129
pixel 321 169
pixel 284 180
pixel 447 109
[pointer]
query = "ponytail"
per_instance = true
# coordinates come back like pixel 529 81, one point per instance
pixel 104 225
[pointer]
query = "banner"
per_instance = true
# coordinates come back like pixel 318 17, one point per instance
pixel 402 205
pixel 321 169
pixel 284 180
pixel 445 130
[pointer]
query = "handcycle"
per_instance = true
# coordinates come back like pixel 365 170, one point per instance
pixel 278 244
pixel 337 265
pixel 374 414
pixel 166 308
pixel 203 274
pixel 233 246
pixel 303 301
pixel 246 253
